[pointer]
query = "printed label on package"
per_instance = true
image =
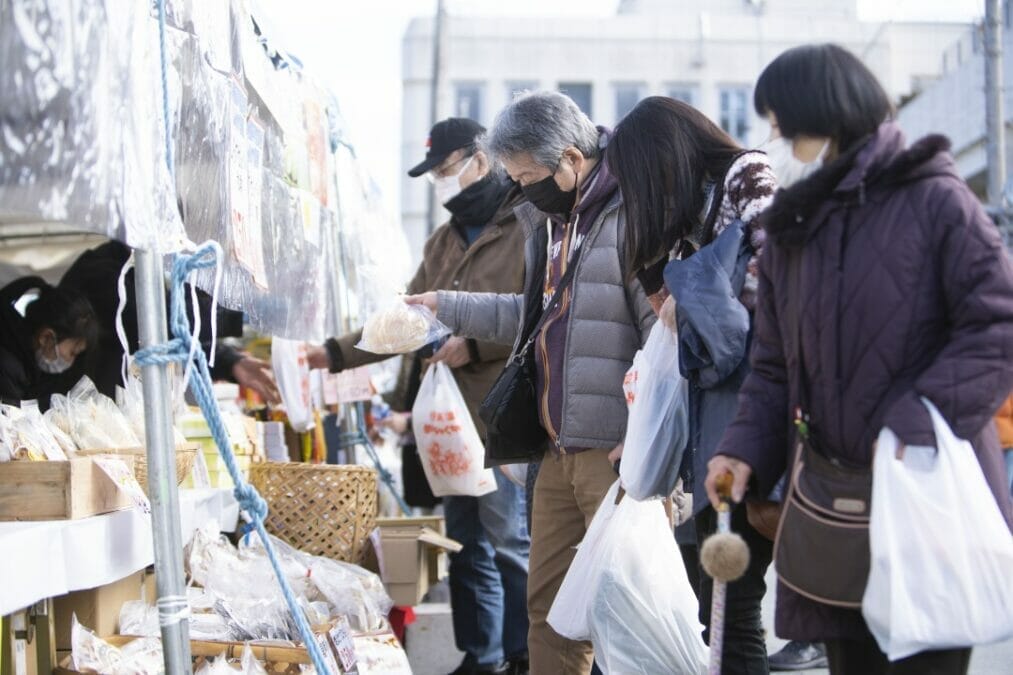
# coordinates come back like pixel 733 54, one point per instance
pixel 124 479
pixel 344 644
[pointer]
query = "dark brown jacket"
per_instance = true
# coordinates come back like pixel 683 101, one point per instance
pixel 494 263
pixel 907 292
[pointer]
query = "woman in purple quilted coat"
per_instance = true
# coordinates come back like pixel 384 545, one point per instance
pixel 906 292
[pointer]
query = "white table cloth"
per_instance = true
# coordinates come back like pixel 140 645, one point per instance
pixel 43 559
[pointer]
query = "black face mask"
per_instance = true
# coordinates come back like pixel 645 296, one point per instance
pixel 476 204
pixel 549 197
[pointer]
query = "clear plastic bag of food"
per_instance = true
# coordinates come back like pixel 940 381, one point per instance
pixel 139 618
pixel 92 419
pixel 248 665
pixel 400 328
pixel 91 653
pixel 26 437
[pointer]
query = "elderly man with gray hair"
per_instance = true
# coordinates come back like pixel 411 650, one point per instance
pixel 582 347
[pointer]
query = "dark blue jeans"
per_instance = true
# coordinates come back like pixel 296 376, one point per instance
pixel 489 577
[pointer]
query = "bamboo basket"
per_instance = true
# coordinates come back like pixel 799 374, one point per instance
pixel 185 457
pixel 325 510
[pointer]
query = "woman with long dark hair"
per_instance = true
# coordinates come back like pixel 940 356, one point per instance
pixel 692 197
pixel 882 283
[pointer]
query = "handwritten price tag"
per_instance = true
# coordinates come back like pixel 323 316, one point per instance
pixel 328 653
pixel 344 644
pixel 124 479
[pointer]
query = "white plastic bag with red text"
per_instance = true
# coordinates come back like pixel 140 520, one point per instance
pixel 451 451
pixel 292 371
pixel 942 556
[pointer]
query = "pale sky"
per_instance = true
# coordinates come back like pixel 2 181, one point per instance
pixel 354 48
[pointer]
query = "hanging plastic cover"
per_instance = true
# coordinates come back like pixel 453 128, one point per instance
pixel 82 140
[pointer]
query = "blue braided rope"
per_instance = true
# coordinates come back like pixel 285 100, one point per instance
pixel 177 350
pixel 165 89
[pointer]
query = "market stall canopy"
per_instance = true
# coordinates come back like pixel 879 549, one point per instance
pixel 262 164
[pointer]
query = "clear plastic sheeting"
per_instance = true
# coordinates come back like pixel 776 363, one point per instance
pixel 81 139
pixel 261 157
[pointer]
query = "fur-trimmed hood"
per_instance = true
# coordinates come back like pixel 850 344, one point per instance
pixel 879 164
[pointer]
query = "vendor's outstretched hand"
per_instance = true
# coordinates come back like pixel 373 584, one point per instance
pixel 720 465
pixel 318 357
pixel 428 300
pixel 256 375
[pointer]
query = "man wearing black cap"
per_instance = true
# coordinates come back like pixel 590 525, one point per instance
pixel 481 249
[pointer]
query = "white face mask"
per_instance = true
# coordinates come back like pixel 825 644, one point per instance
pixel 787 167
pixel 448 187
pixel 52 366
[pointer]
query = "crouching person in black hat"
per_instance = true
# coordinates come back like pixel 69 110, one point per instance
pixel 481 249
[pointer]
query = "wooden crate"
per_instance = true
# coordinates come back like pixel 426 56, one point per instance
pixel 185 456
pixel 76 488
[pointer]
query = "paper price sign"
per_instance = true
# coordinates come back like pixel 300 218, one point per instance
pixel 124 479
pixel 344 644
pixel 328 654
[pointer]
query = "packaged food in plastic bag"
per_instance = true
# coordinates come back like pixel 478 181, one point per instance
pixel 130 401
pixel 248 665
pixel 139 618
pixel 93 420
pixel 627 591
pixel 27 436
pixel 934 525
pixel 400 329
pixel 451 452
pixel 657 427
pixel 91 653
pixel 292 372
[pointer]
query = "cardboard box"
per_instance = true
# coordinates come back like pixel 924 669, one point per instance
pixel 411 556
pixel 96 608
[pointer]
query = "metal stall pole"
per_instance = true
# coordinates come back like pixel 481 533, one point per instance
pixel 995 119
pixel 173 609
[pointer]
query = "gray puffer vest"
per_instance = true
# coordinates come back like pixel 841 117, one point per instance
pixel 609 321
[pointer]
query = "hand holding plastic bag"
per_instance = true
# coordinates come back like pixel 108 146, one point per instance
pixel 942 556
pixel 657 427
pixel 452 454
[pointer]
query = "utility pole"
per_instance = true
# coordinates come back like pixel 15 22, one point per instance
pixel 435 94
pixel 995 120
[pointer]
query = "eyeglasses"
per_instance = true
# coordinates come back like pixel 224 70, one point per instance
pixel 445 171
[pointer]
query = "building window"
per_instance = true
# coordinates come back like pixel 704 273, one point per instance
pixel 580 92
pixel 687 93
pixel 628 94
pixel 468 100
pixel 735 112
pixel 517 87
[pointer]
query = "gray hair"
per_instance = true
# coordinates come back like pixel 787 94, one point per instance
pixel 542 124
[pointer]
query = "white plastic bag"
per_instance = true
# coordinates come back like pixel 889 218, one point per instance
pixel 451 451
pixel 568 614
pixel 942 556
pixel 292 372
pixel 627 591
pixel 658 421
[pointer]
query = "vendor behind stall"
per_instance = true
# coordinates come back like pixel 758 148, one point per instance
pixel 96 273
pixel 41 340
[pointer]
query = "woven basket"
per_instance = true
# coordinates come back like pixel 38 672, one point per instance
pixel 322 509
pixel 185 457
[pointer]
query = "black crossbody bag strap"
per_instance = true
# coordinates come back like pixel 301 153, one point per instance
pixel 557 297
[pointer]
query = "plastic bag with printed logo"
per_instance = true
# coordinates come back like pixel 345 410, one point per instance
pixel 452 454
